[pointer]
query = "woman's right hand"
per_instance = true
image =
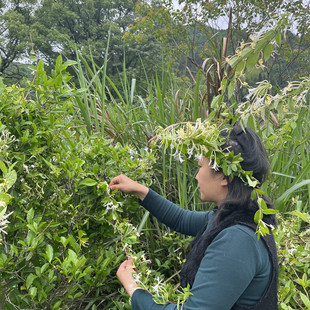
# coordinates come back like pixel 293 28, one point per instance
pixel 129 186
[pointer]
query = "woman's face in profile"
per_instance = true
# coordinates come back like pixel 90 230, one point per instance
pixel 211 185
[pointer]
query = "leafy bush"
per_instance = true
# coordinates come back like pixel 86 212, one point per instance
pixel 293 239
pixel 63 246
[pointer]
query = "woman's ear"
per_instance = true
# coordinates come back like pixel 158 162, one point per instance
pixel 224 181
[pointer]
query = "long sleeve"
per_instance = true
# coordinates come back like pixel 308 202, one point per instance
pixel 183 221
pixel 235 269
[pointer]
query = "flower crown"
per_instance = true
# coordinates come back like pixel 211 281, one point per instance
pixel 204 139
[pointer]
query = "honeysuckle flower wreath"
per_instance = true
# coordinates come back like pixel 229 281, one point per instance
pixel 194 140
pixel 204 139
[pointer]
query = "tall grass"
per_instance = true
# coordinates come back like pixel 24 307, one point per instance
pixel 127 117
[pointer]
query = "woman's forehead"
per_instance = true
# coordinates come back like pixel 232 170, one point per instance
pixel 204 160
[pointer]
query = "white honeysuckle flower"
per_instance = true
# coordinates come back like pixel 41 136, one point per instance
pixel 26 168
pixel 4 222
pixel 259 102
pixel 156 289
pixel 198 157
pixel 214 166
pixel 144 259
pixel 157 285
pixel 291 251
pixel 190 150
pixel 132 152
pixel 178 156
pixel 137 277
pixel 111 206
pixel 180 159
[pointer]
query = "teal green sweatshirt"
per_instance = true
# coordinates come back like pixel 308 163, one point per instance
pixel 235 267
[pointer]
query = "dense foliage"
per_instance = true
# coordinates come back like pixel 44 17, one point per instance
pixel 62 244
pixel 61 142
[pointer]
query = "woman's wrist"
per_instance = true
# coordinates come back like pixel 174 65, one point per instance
pixel 142 191
pixel 131 287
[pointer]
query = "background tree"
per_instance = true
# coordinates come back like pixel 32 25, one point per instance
pixel 194 30
pixel 51 27
pixel 15 22
pixel 87 24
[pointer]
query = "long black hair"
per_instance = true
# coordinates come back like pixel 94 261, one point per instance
pixel 237 207
pixel 246 142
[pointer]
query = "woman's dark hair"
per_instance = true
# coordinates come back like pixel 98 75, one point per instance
pixel 237 207
pixel 247 143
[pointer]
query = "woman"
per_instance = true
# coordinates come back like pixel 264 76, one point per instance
pixel 228 267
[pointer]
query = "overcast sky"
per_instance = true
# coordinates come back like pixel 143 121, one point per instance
pixel 222 22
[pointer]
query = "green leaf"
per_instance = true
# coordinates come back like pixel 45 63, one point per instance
pixel 30 215
pixel 278 38
pixel 252 61
pixel 10 178
pixel 216 101
pixel 88 182
pixel 257 216
pixel 131 239
pixel 291 190
pixel 240 66
pixel 96 168
pixel 49 252
pixel 252 183
pixel 69 63
pixel 259 191
pixel 233 61
pixel 253 195
pixel 33 292
pixel 304 216
pixel 78 294
pixel 231 89
pixel 43 268
pixel 245 52
pixel 263 228
pixel 57 305
pixel 30 280
pixel 2 211
pixel 270 211
pixel 5 198
pixel 72 256
pixel 268 51
pixel 3 167
pixel 261 203
pixel 261 43
pixel 305 300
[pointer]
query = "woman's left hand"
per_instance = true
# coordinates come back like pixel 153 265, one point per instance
pixel 124 274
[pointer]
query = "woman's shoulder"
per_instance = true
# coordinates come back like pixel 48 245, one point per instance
pixel 243 240
pixel 240 233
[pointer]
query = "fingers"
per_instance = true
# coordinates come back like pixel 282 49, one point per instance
pixel 125 275
pixel 125 267
pixel 122 183
pixel 115 181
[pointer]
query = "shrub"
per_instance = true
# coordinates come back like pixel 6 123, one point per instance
pixel 293 239
pixel 62 247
